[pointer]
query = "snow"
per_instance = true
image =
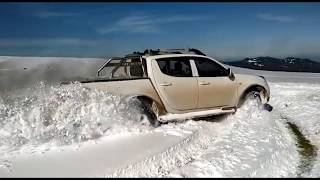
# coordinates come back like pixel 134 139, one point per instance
pixel 257 145
pixel 63 115
pixel 69 131
pixel 257 64
pixel 252 61
pixel 282 77
pixel 91 159
pixel 300 103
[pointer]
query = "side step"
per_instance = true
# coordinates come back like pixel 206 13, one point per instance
pixel 169 116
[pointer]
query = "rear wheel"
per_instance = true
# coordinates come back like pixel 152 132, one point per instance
pixel 150 110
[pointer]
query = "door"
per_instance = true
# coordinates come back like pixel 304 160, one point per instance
pixel 175 82
pixel 216 89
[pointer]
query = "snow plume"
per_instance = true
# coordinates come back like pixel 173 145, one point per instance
pixel 64 115
pixel 22 72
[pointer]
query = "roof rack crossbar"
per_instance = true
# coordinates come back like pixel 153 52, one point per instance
pixel 169 51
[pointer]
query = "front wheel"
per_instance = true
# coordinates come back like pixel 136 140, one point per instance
pixel 149 109
pixel 252 95
pixel 255 95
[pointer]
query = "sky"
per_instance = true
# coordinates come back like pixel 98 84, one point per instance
pixel 227 31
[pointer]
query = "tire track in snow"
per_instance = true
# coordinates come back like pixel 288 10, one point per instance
pixel 202 150
pixel 181 153
pixel 307 151
pixel 299 102
pixel 258 145
pixel 159 164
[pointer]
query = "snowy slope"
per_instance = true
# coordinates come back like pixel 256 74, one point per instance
pixel 51 131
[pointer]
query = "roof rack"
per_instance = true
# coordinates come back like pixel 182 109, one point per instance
pixel 166 51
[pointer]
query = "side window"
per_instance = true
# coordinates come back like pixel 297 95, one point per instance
pixel 175 66
pixel 124 69
pixel 209 68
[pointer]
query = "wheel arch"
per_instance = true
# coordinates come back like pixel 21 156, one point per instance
pixel 149 100
pixel 254 87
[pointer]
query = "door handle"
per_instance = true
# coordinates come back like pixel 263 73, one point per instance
pixel 204 83
pixel 166 84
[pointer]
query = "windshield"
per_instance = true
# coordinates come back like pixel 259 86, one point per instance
pixel 124 68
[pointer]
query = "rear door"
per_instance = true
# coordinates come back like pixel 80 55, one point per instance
pixel 175 82
pixel 216 89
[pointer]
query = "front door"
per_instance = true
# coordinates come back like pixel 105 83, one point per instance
pixel 216 89
pixel 174 79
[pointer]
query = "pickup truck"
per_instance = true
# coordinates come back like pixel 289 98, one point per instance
pixel 178 84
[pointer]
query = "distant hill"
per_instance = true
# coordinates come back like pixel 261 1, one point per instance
pixel 289 64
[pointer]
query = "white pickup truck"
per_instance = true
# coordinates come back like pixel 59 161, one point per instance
pixel 178 84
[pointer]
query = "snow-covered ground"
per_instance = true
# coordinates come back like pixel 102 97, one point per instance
pixel 52 131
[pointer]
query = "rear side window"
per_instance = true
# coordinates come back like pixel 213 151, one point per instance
pixel 209 68
pixel 175 66
pixel 125 68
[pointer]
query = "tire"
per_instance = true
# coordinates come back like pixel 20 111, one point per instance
pixel 148 109
pixel 255 95
pixel 252 95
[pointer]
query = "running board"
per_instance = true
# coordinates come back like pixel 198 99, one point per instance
pixel 169 116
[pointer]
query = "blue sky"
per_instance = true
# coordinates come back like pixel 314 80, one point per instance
pixel 223 30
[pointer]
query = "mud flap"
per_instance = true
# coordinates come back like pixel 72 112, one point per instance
pixel 264 101
pixel 267 107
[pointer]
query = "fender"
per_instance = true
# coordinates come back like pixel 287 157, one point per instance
pixel 159 105
pixel 255 87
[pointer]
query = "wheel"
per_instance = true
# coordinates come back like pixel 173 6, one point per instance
pixel 255 95
pixel 252 95
pixel 149 109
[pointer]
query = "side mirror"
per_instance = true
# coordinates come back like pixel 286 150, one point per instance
pixel 230 74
